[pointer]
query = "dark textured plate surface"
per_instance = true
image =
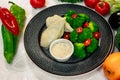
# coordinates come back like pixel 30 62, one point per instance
pixel 41 57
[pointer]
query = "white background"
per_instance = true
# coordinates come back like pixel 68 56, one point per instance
pixel 22 67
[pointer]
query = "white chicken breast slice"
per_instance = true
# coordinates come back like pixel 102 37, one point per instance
pixel 53 32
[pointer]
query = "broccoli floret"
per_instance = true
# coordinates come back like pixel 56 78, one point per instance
pixel 93 26
pixel 73 36
pixel 93 46
pixel 85 16
pixel 78 22
pixel 117 39
pixel 86 33
pixel 69 18
pixel 70 13
pixel 79 50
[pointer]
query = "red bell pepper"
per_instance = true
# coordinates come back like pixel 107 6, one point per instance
pixel 9 21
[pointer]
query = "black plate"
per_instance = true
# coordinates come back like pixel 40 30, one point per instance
pixel 41 57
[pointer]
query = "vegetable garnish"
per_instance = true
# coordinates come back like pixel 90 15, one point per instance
pixel 85 35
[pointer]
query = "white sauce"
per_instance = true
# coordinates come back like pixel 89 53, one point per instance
pixel 61 49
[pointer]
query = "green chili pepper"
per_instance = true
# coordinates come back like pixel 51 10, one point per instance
pixel 19 13
pixel 10 41
pixel 8 44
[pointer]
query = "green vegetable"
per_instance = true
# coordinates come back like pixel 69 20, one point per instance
pixel 115 7
pixel 117 39
pixel 93 26
pixel 78 38
pixel 72 1
pixel 7 37
pixel 78 21
pixel 11 41
pixel 93 46
pixel 74 36
pixel 79 50
pixel 86 33
pixel 85 16
pixel 69 18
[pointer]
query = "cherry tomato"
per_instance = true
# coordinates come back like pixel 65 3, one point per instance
pixel 87 42
pixel 37 3
pixel 86 24
pixel 103 8
pixel 79 30
pixel 91 3
pixel 74 16
pixel 96 35
pixel 66 35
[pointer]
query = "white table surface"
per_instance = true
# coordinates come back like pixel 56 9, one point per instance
pixel 22 67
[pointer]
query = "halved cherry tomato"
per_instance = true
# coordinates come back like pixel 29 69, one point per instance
pixel 66 35
pixel 87 42
pixel 74 16
pixel 79 30
pixel 86 24
pixel 96 35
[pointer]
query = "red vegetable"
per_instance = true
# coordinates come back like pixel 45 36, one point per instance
pixel 74 16
pixel 79 30
pixel 9 21
pixel 87 42
pixel 91 3
pixel 103 8
pixel 96 35
pixel 66 35
pixel 86 24
pixel 37 3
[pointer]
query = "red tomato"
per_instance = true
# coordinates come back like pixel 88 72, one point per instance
pixel 96 35
pixel 91 3
pixel 86 24
pixel 74 16
pixel 37 3
pixel 103 8
pixel 87 42
pixel 66 35
pixel 79 30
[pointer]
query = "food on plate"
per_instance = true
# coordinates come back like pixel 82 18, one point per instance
pixel 81 31
pixel 54 18
pixel 61 49
pixel 37 3
pixel 111 66
pixel 66 35
pixel 53 32
pixel 77 21
pixel 71 1
pixel 10 40
pixel 117 39
pixel 114 20
pixel 83 36
pixel 79 50
pixel 102 8
pixel 91 3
